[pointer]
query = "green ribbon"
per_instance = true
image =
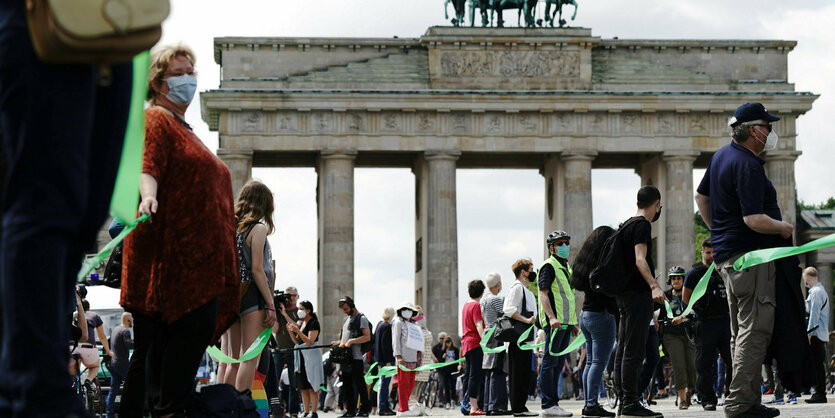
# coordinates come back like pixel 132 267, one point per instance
pixel 573 345
pixel 756 257
pixel 524 337
pixel 89 264
pixel 486 338
pixel 126 192
pixel 253 351
pixel 125 198
pixel 369 378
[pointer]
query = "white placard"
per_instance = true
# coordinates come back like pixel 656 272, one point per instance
pixel 415 340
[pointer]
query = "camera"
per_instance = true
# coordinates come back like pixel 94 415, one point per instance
pixel 279 297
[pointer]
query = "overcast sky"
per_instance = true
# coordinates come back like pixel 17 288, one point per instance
pixel 500 213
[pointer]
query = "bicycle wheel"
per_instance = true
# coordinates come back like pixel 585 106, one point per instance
pixel 611 395
pixel 433 393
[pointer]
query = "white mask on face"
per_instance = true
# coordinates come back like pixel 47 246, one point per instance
pixel 770 141
pixel 302 314
pixel 406 314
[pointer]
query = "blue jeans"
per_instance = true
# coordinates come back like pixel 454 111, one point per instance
pixel 63 136
pixel 599 330
pixel 549 372
pixel 116 379
pixel 383 399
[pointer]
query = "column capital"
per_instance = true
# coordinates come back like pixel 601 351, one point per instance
pixel 578 155
pixel 777 155
pixel 452 155
pixel 338 155
pixel 223 153
pixel 680 155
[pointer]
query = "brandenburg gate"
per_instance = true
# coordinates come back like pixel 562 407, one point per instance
pixel 558 100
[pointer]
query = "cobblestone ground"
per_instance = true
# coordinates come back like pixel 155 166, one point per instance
pixel 668 408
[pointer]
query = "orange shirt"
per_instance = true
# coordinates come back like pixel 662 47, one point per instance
pixel 185 256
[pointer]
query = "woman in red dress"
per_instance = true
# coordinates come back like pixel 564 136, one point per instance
pixel 179 268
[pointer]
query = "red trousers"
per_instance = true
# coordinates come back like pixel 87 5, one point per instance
pixel 405 384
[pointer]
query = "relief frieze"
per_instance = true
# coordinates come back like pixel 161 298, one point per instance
pixel 510 63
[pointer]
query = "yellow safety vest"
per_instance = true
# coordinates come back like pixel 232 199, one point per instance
pixel 564 304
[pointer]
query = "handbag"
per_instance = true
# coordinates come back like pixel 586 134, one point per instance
pixel 94 31
pixel 113 269
pixel 509 329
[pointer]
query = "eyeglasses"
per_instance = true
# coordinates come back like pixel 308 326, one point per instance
pixel 765 125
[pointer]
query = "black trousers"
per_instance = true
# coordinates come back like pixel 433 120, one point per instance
pixel 62 138
pixel 819 365
pixel 447 384
pixel 353 382
pixel 713 337
pixel 132 403
pixel 651 359
pixel 173 357
pixel 519 365
pixel 635 313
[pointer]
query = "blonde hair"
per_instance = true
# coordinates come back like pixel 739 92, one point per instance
pixel 255 202
pixel 161 59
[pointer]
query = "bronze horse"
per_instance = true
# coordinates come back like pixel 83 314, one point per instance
pixel 460 10
pixel 551 17
pixel 526 7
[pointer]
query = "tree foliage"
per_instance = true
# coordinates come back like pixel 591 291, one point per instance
pixel 702 233
pixel 829 204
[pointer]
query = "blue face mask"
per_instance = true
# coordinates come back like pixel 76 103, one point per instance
pixel 182 88
pixel 563 250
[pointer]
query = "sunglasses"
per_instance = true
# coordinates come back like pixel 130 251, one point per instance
pixel 765 125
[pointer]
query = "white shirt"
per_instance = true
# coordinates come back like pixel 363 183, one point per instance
pixel 513 300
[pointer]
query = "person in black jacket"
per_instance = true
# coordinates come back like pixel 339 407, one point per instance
pixel 713 327
pixel 384 356
pixel 597 321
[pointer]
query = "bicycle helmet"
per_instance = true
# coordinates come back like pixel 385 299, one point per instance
pixel 557 235
pixel 674 271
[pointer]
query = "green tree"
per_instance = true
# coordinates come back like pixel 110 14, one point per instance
pixel 828 204
pixel 702 233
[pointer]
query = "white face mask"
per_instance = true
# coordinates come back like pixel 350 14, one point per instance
pixel 406 314
pixel 770 141
pixel 181 89
pixel 302 314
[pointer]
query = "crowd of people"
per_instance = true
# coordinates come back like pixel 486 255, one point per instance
pixel 200 273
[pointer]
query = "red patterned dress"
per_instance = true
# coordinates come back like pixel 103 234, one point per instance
pixel 186 255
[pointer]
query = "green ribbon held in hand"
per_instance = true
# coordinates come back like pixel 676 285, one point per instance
pixel 253 351
pixel 126 192
pixel 756 257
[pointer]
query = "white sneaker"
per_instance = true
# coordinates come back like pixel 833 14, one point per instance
pixel 408 413
pixel 555 411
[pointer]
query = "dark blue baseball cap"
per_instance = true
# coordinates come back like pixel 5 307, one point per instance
pixel 752 111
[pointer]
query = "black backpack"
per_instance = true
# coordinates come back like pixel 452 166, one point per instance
pixel 354 326
pixel 608 277
pixel 222 400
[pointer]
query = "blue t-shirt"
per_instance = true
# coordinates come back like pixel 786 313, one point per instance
pixel 736 183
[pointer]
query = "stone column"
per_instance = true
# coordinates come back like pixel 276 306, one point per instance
pixel 825 277
pixel 441 258
pixel 239 163
pixel 780 170
pixel 577 214
pixel 677 200
pixel 335 196
pixel 554 173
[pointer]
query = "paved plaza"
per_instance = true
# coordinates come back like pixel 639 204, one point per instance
pixel 668 408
